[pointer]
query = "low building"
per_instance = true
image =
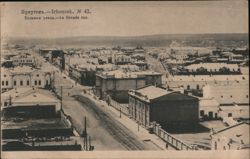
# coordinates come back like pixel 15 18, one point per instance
pixel 197 82
pixel 26 97
pixel 151 104
pixel 212 68
pixel 208 108
pixel 234 111
pixel 234 137
pixel 228 94
pixel 24 76
pixel 117 83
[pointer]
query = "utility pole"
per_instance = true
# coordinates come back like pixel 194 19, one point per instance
pixel 61 97
pixel 120 112
pixel 138 126
pixel 84 134
pixel 89 143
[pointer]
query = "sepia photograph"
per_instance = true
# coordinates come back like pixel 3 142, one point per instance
pixel 125 79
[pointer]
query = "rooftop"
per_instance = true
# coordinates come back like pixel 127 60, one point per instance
pixel 209 78
pixel 123 74
pixel 212 66
pixel 52 123
pixel 151 92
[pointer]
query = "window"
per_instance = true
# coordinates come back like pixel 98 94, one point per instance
pixel 2 83
pixel 35 82
pixel 229 114
pixel 37 75
pixel 202 113
pixel 197 87
pixel 39 82
pixel 231 96
pixel 14 83
pixel 4 75
pixel 221 96
pixel 7 83
pixel 28 83
pixel 247 96
pixel 188 87
pixel 21 83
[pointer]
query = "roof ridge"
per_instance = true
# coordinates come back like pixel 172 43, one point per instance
pixel 237 124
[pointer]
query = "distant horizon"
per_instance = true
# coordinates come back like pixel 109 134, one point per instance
pixel 117 36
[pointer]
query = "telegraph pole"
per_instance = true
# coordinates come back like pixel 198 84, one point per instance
pixel 61 97
pixel 120 113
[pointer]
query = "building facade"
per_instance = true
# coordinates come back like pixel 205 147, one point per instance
pixel 235 137
pixel 23 59
pixel 25 77
pixel 151 104
pixel 117 83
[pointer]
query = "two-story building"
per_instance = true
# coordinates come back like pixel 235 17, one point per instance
pixel 117 83
pixel 23 59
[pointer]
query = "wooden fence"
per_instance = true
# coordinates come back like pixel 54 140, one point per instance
pixel 119 106
pixel 170 139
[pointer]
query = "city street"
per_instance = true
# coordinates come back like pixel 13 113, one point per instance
pixel 106 133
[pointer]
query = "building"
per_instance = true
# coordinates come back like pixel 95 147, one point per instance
pixel 55 56
pixel 234 137
pixel 228 94
pixel 234 111
pixel 25 76
pixel 197 82
pixel 117 83
pixel 212 68
pixel 26 97
pixel 151 103
pixel 6 63
pixel 121 59
pixel 233 99
pixel 208 108
pixel 24 59
pixel 85 74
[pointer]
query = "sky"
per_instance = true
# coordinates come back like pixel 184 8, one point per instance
pixel 127 18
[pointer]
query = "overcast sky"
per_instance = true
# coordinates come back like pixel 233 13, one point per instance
pixel 129 18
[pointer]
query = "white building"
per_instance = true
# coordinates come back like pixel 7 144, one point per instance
pixel 228 94
pixel 234 137
pixel 189 82
pixel 208 108
pixel 24 76
pixel 23 59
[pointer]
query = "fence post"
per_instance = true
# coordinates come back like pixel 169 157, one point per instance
pixel 159 130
